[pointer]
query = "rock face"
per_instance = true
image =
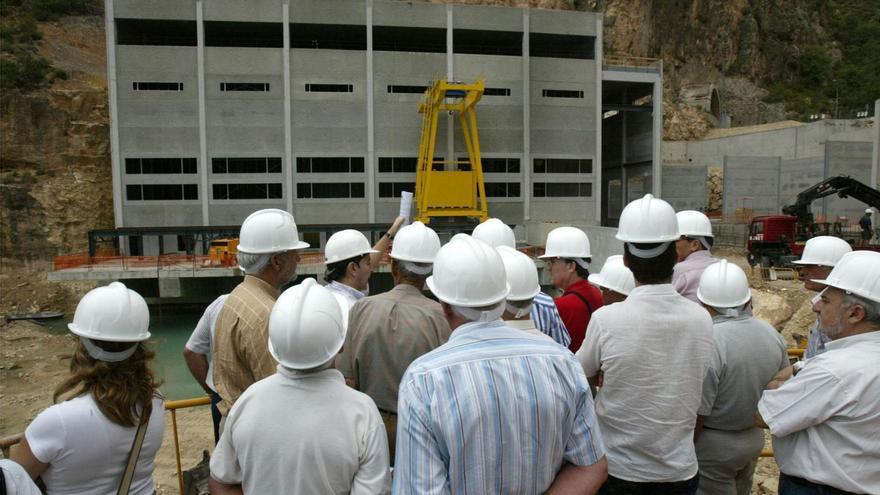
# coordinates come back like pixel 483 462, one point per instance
pixel 55 166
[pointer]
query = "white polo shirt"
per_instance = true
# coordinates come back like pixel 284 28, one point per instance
pixel 825 420
pixel 297 432
pixel 202 339
pixel 654 349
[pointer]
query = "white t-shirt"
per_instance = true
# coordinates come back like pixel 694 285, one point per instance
pixel 654 349
pixel 18 482
pixel 86 452
pixel 202 339
pixel 826 420
pixel 299 432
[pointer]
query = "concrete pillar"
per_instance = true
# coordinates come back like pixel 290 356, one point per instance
pixel 657 141
pixel 597 162
pixel 203 132
pixel 371 125
pixel 288 147
pixel 169 287
pixel 527 125
pixel 116 166
pixel 450 74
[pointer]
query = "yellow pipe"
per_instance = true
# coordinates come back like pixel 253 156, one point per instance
pixel 177 449
pixel 184 403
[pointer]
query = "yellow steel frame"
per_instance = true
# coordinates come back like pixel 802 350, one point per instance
pixel 450 193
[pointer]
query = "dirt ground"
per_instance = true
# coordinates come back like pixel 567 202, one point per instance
pixel 32 362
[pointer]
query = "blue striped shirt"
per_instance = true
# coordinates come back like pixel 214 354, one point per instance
pixel 547 319
pixel 494 410
pixel 816 341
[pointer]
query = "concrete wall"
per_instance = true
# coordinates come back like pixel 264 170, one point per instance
pixel 751 183
pixel 852 159
pixel 684 186
pixel 799 174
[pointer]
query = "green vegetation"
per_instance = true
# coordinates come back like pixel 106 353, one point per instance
pixel 843 81
pixel 20 66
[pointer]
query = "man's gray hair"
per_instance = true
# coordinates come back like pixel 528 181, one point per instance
pixel 253 264
pixel 413 270
pixel 482 313
pixel 872 308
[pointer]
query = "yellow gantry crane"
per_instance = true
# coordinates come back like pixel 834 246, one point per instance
pixel 450 193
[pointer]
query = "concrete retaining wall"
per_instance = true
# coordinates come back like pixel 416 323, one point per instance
pixel 684 185
pixel 751 183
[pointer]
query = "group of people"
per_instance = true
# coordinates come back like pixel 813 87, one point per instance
pixel 649 377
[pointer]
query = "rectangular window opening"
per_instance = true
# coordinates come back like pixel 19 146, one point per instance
pixel 244 34
pixel 409 39
pixel 562 93
pixel 330 190
pixel 244 86
pixel 496 92
pixel 247 191
pixel 155 32
pixel 329 88
pixel 161 192
pixel 406 89
pixel 328 36
pixel 484 42
pixel 562 189
pixel 330 164
pixel 563 165
pixel 156 86
pixel 562 46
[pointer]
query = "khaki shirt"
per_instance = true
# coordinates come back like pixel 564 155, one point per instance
pixel 241 338
pixel 385 334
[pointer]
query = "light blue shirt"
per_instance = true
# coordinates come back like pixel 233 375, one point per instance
pixel 494 410
pixel 547 319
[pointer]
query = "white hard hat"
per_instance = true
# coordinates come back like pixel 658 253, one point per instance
pixel 857 272
pixel 522 274
pixel 868 210
pixel 692 223
pixel 416 243
pixel 346 244
pixel 824 250
pixel 614 275
pixel 269 231
pixel 468 273
pixel 724 285
pixel 567 242
pixel 305 327
pixel 113 313
pixel 495 233
pixel 648 220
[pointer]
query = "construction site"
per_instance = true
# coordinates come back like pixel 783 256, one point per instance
pixel 350 113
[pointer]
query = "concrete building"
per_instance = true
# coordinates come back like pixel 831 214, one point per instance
pixel 221 108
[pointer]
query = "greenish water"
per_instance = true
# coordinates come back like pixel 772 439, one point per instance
pixel 170 326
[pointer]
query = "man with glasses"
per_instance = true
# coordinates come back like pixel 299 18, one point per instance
pixel 567 255
pixel 692 249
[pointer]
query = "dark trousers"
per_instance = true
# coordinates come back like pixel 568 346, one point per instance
pixel 791 485
pixel 617 486
pixel 215 415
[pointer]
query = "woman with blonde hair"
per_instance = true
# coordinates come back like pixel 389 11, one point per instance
pixel 102 437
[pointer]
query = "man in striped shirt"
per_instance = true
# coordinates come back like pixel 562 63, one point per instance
pixel 494 410
pixel 547 319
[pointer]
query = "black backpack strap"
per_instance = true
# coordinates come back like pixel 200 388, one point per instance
pixel 582 298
